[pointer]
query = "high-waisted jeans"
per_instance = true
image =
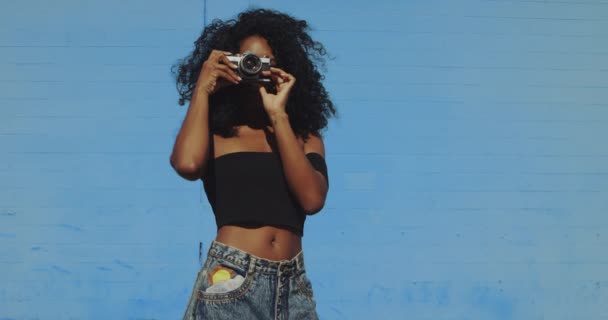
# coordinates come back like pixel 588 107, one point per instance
pixel 234 284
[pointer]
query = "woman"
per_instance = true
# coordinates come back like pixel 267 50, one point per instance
pixel 257 148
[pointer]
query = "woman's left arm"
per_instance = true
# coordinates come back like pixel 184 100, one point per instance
pixel 307 184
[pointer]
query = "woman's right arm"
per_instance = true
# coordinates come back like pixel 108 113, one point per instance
pixel 191 149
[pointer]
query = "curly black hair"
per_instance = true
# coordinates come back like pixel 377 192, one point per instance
pixel 308 106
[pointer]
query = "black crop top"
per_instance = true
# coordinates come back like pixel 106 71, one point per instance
pixel 249 188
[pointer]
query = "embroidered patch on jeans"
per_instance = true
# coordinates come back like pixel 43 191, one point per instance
pixel 220 273
pixel 226 285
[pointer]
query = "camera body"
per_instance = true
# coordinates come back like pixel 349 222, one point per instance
pixel 250 66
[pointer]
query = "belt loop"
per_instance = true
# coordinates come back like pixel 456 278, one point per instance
pixel 251 267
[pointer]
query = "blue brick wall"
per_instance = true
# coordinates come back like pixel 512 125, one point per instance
pixel 469 164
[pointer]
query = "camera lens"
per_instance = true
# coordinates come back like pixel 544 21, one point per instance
pixel 250 64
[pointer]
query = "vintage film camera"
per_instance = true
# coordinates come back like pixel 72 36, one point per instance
pixel 250 66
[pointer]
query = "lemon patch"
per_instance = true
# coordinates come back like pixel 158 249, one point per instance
pixel 220 273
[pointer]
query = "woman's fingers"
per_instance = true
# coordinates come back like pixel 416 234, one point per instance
pixel 263 91
pixel 283 81
pixel 227 66
pixel 279 75
pixel 285 77
pixel 227 61
pixel 226 75
pixel 217 72
pixel 220 57
pixel 279 71
pixel 277 79
pixel 222 60
pixel 217 53
pixel 229 71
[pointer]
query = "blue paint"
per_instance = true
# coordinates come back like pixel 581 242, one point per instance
pixel 494 301
pixel 70 227
pixel 60 269
pixel 123 264
pixel 469 174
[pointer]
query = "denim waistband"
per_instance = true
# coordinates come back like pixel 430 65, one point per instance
pixel 237 256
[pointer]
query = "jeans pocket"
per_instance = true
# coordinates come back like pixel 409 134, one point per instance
pixel 224 280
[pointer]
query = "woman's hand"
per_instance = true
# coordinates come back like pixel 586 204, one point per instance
pixel 216 73
pixel 283 81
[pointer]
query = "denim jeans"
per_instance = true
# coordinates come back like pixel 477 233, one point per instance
pixel 234 284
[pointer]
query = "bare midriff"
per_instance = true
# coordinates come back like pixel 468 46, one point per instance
pixel 266 242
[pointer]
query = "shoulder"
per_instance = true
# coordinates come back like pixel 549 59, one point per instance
pixel 314 143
